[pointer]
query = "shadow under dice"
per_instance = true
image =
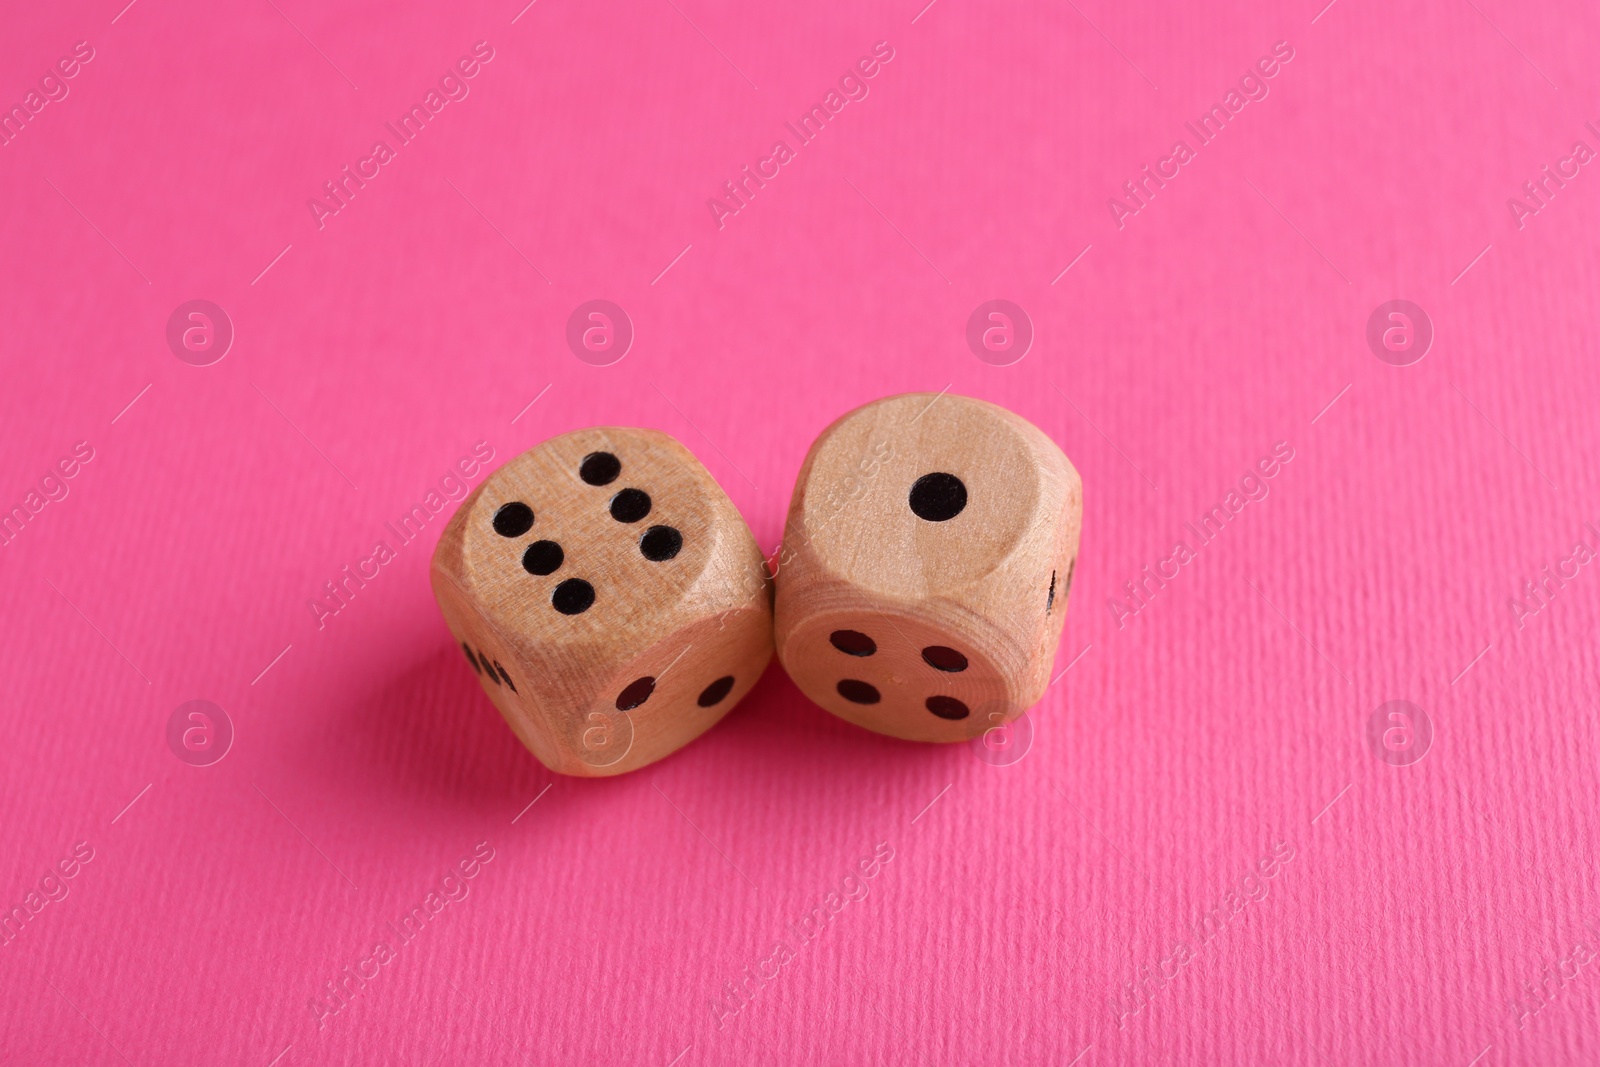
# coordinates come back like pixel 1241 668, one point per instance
pixel 608 595
pixel 928 553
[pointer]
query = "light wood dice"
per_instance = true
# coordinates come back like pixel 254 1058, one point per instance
pixel 926 560
pixel 609 596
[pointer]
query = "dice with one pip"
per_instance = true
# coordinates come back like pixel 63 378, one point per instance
pixel 609 596
pixel 925 566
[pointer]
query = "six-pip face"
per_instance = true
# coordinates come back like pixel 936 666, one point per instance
pixel 614 604
pixel 614 581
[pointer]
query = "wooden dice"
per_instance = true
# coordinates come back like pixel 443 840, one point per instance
pixel 925 566
pixel 609 596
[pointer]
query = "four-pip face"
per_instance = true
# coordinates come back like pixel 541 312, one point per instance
pixel 923 580
pixel 609 596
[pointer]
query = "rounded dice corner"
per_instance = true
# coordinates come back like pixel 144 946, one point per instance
pixel 610 504
pixel 1001 608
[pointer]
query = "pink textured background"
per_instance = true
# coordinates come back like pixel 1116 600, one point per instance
pixel 1419 911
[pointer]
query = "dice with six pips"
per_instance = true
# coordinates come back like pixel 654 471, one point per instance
pixel 926 560
pixel 608 594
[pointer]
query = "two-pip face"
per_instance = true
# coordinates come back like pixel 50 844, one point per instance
pixel 616 583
